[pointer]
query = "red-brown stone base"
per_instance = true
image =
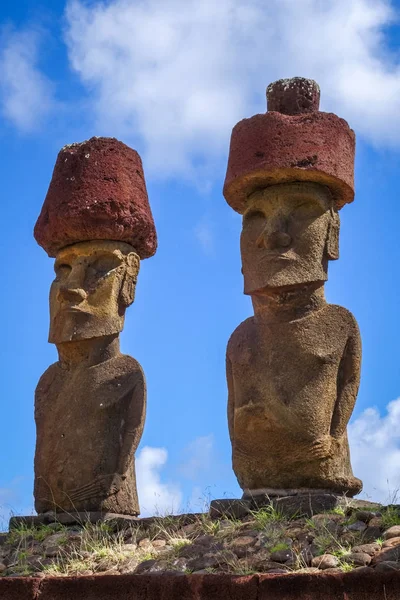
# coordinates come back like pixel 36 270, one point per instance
pixel 357 585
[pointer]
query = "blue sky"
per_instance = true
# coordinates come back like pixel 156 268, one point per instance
pixel 171 78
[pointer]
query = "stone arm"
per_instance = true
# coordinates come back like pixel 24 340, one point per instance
pixel 347 384
pixel 231 398
pixel 132 429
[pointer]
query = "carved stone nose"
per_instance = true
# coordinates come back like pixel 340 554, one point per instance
pixel 280 239
pixel 75 295
pixel 276 239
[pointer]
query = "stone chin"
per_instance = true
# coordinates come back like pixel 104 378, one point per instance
pixel 284 275
pixel 74 325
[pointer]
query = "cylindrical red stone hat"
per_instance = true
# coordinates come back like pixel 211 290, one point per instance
pixel 293 141
pixel 97 192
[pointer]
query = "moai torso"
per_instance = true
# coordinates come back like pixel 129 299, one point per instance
pixel 292 389
pixel 293 369
pixel 89 423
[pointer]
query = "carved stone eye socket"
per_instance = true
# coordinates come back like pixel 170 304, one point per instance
pixel 253 215
pixel 307 210
pixel 62 270
pixel 103 265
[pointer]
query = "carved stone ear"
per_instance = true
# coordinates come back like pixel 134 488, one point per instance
pixel 332 242
pixel 130 278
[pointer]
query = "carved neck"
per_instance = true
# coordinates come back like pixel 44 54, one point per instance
pixel 288 304
pixel 87 353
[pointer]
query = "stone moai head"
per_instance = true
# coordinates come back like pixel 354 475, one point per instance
pixel 96 221
pixel 290 170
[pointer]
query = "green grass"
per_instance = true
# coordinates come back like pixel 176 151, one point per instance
pixel 390 517
pixel 23 531
pixel 267 515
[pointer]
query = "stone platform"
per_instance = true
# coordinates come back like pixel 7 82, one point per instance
pixel 296 504
pixel 358 585
pixel 82 518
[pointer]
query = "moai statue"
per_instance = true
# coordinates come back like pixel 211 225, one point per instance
pixel 90 405
pixel 293 368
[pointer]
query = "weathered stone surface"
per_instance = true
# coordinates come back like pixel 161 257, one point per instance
pixel 387 566
pixel 387 554
pixel 371 534
pixel 391 542
pixel 296 96
pixel 97 191
pixel 358 526
pixel 293 143
pixel 369 549
pixel 297 505
pixel 231 508
pixel 326 561
pixel 293 369
pixel 282 556
pixel 90 405
pixel 359 559
pixel 392 532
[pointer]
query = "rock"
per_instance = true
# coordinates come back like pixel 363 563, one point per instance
pixel 55 539
pixel 333 570
pixel 129 548
pixel 128 567
pixel 309 570
pixel 277 571
pixel 145 566
pixel 391 542
pixel 305 538
pixel 52 551
pixel 392 532
pixel 282 556
pixel 232 508
pixel 187 531
pixel 104 566
pixel 386 566
pixel 359 559
pixel 305 504
pixel 306 556
pixel 158 567
pixel 326 561
pixel 179 564
pixel 371 534
pixel 112 571
pixel 358 526
pixel 376 522
pixel 370 549
pixel 2 567
pixel 387 554
pixel 158 544
pixel 145 544
pixel 364 515
pixel 208 561
pixel 243 540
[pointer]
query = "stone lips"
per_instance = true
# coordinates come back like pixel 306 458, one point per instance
pixel 97 191
pixel 273 148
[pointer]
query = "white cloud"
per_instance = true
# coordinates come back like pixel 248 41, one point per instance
pixel 26 95
pixel 11 494
pixel 155 497
pixel 174 77
pixel 205 236
pixel 198 457
pixel 375 452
